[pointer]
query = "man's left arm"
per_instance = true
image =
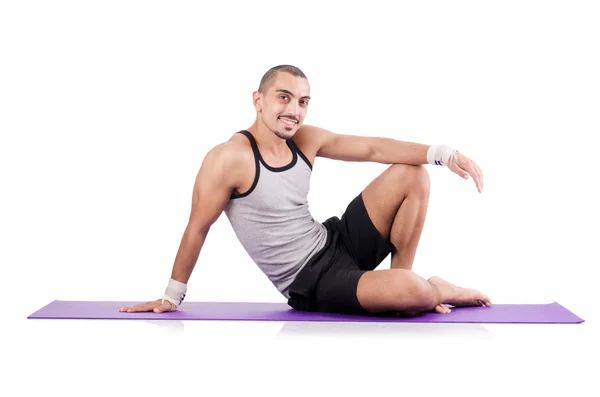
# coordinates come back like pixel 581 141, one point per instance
pixel 391 151
pixel 373 149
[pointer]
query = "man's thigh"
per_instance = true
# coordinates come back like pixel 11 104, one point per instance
pixel 337 289
pixel 362 239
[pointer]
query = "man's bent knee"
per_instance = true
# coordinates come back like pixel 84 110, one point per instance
pixel 415 174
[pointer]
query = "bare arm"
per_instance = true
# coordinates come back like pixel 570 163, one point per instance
pixel 212 189
pixel 214 183
pixel 321 142
pixel 362 148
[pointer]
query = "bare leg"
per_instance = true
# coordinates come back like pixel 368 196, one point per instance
pixel 401 290
pixel 397 202
pixel 407 227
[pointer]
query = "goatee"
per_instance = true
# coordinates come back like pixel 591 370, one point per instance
pixel 280 135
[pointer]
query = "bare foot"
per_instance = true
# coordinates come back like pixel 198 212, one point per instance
pixel 441 308
pixel 458 296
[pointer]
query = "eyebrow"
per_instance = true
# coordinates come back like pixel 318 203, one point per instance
pixel 289 93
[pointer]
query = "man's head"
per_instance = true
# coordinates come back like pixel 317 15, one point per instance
pixel 282 99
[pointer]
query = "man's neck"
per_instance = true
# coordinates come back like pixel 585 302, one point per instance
pixel 267 140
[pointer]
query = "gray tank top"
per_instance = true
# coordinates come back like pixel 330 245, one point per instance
pixel 272 220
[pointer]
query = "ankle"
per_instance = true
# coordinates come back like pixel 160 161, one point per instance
pixel 435 293
pixel 442 289
pixel 401 261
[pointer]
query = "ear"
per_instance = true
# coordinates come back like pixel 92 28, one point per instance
pixel 257 100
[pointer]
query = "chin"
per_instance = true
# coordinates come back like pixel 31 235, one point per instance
pixel 285 134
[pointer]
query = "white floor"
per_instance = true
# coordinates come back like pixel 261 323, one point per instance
pixel 170 358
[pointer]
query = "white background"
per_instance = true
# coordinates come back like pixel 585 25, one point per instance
pixel 108 108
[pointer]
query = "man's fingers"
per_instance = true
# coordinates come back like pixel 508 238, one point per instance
pixel 475 176
pixel 130 308
pixel 464 167
pixel 456 168
pixel 154 306
pixel 480 176
pixel 472 169
pixel 463 172
pixel 142 307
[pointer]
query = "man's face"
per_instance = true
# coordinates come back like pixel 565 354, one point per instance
pixel 284 105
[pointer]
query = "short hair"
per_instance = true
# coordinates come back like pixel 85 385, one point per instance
pixel 269 78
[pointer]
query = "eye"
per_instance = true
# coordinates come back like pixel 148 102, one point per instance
pixel 304 102
pixel 284 97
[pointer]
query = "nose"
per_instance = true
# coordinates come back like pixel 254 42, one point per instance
pixel 292 110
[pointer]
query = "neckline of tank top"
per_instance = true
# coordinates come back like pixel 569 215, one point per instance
pixel 256 151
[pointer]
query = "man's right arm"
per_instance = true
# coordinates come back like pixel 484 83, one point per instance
pixel 212 189
pixel 214 183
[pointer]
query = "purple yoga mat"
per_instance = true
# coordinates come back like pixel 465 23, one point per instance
pixel 552 313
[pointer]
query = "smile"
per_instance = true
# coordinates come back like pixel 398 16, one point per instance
pixel 288 121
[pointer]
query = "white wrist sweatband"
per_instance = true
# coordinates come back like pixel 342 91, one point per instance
pixel 440 154
pixel 175 292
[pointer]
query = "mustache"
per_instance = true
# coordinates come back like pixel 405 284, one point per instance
pixel 290 117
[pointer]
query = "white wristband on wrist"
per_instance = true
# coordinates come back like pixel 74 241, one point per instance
pixel 175 292
pixel 440 154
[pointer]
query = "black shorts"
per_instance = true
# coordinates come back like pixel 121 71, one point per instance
pixel 329 281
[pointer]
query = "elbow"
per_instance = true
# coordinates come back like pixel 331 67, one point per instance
pixel 373 154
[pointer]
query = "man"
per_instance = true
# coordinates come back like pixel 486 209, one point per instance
pixel 260 179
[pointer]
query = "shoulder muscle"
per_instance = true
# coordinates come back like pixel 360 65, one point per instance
pixel 311 139
pixel 218 176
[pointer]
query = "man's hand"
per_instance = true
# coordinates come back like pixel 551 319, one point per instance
pixel 464 167
pixel 155 306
